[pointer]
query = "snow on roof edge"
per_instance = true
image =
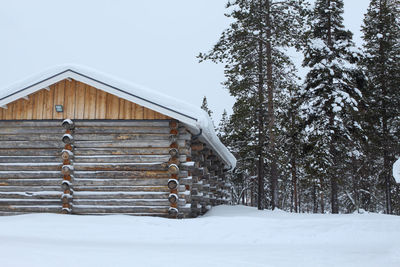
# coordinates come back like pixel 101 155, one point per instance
pixel 200 119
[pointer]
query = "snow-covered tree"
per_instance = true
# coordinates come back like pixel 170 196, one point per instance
pixel 381 62
pixel 330 92
pixel 252 49
pixel 204 106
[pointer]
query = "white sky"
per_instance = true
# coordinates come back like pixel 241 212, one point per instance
pixel 153 43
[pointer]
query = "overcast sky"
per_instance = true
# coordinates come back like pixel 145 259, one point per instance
pixel 153 43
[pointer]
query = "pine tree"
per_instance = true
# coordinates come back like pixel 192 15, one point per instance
pixel 223 126
pixel 252 50
pixel 330 92
pixel 381 61
pixel 204 106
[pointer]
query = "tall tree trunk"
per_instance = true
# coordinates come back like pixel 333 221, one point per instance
pixel 293 162
pixel 260 167
pixel 314 198
pixel 385 131
pixel 333 172
pixel 355 182
pixel 332 149
pixel 271 116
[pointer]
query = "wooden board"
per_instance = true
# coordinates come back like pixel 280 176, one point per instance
pixel 79 101
pixel 119 166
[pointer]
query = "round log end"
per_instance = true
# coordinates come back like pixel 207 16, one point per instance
pixel 66 210
pixel 68 124
pixel 173 212
pixel 173 184
pixel 173 198
pixel 65 185
pixel 66 154
pixel 67 139
pixel 173 152
pixel 173 169
pixel 66 169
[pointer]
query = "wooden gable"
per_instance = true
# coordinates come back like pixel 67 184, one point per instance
pixel 79 101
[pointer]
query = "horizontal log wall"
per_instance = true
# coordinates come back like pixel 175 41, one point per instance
pixel 141 167
pixel 124 170
pixel 80 101
pixel 30 167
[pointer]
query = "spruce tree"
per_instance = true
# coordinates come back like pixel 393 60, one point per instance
pixel 381 34
pixel 330 93
pixel 204 106
pixel 252 50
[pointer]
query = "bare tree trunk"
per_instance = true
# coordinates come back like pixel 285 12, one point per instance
pixel 271 116
pixel 322 196
pixel 315 199
pixel 260 167
pixel 385 131
pixel 293 163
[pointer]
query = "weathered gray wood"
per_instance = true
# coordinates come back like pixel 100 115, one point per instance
pixel 67 139
pixel 30 202
pixel 172 184
pixel 29 188
pixel 173 169
pixel 120 174
pixel 121 130
pixel 83 209
pixel 30 123
pixel 130 136
pixel 23 208
pixel 32 195
pixel 118 167
pixel 67 169
pixel 66 185
pixel 29 159
pixel 121 158
pixel 30 182
pixel 120 195
pixel 126 151
pixel 173 199
pixel 24 167
pixel 122 123
pixel 120 182
pixel 32 130
pixel 108 166
pixel 31 144
pixel 29 174
pixel 121 188
pixel 30 137
pixel 67 154
pixel 173 152
pixel 122 143
pixel 30 152
pixel 163 215
pixel 122 202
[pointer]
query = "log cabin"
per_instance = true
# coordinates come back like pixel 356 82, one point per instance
pixel 77 141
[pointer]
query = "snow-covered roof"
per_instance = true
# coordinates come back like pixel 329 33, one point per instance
pixel 396 171
pixel 193 117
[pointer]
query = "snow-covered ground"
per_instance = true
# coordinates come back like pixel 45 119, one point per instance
pixel 226 236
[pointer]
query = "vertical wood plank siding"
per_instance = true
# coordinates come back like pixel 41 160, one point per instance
pixel 80 101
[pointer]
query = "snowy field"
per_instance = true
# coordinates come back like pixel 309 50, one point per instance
pixel 226 236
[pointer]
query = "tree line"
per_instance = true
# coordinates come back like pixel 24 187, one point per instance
pixel 324 143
